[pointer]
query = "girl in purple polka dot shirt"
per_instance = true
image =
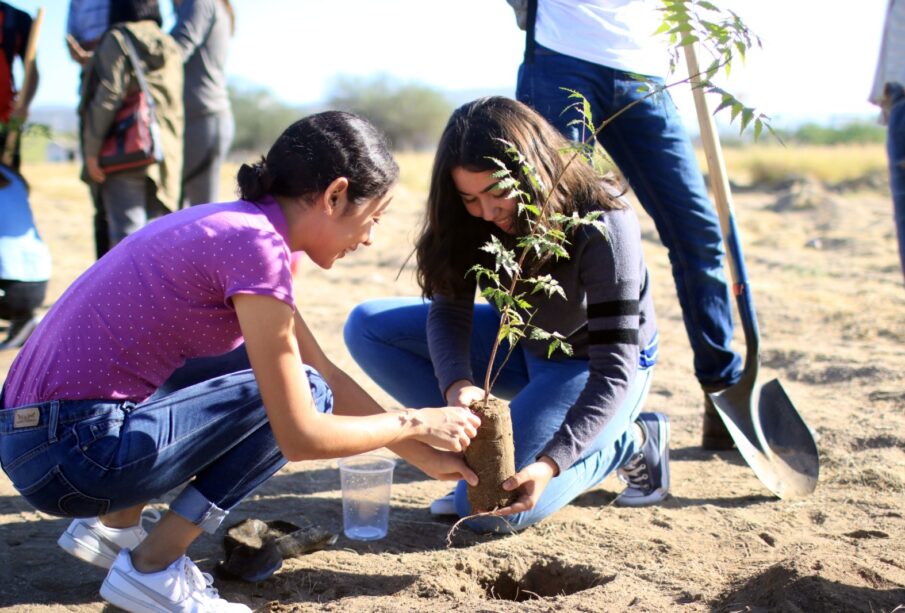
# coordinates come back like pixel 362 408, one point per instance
pixel 180 356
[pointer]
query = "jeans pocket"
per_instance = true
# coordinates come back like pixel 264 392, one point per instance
pixel 55 494
pixel 17 448
pixel 98 439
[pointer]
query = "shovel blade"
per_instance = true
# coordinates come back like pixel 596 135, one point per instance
pixel 771 436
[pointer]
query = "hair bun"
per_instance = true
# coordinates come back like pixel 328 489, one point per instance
pixel 254 181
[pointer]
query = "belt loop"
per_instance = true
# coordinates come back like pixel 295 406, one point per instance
pixel 52 419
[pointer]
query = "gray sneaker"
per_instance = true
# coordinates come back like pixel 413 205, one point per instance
pixel 647 472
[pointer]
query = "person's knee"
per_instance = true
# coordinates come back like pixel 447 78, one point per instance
pixel 357 331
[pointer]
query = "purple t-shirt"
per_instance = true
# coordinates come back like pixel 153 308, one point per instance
pixel 160 297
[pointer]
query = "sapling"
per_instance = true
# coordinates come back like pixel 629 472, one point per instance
pixel 491 453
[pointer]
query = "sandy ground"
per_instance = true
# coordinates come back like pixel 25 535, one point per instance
pixel 831 307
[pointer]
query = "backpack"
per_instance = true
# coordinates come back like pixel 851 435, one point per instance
pixel 9 44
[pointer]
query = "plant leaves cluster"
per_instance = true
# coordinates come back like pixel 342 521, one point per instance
pixel 723 34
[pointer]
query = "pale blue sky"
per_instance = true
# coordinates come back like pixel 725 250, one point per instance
pixel 814 63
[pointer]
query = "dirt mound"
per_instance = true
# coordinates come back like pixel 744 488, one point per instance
pixel 804 586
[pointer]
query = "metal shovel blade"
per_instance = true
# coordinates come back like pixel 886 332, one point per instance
pixel 770 435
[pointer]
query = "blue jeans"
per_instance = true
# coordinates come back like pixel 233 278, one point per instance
pixel 650 146
pixel 205 426
pixel 388 339
pixel 895 148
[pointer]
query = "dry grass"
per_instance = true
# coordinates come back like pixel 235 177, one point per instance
pixel 772 164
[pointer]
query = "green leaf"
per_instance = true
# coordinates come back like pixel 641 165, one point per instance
pixel 539 335
pixel 726 101
pixel 747 116
pixel 566 348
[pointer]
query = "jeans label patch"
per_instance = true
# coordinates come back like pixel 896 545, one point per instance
pixel 26 418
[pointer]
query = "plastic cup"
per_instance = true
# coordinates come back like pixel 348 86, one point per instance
pixel 366 482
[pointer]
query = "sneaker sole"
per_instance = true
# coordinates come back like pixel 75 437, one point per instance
pixel 659 494
pixel 79 549
pixel 119 599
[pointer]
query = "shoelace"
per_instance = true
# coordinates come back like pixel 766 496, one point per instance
pixel 199 581
pixel 635 473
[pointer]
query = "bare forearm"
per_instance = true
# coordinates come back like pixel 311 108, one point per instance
pixel 333 436
pixel 351 399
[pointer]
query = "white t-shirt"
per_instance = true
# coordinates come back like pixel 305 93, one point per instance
pixel 891 64
pixel 614 33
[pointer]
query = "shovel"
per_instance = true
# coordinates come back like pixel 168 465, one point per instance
pixel 770 434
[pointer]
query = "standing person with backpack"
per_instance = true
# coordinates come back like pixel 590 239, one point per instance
pixel 15 27
pixel 597 47
pixel 134 196
pixel 202 31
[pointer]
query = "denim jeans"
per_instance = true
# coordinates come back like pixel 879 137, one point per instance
pixel 895 147
pixel 388 339
pixel 206 426
pixel 650 146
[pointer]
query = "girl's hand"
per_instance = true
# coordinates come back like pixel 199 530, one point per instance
pixel 441 465
pixel 463 393
pixel 530 483
pixel 450 428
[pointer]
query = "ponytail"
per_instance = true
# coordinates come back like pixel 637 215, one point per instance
pixel 254 180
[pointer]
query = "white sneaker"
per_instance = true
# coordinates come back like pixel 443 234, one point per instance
pixel 445 505
pixel 90 540
pixel 180 587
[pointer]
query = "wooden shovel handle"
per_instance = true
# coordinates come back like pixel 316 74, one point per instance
pixel 716 166
pixel 12 136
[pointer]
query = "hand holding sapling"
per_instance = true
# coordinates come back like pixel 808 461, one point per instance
pixel 449 428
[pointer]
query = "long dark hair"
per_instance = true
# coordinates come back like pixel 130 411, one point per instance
pixel 450 240
pixel 135 10
pixel 314 151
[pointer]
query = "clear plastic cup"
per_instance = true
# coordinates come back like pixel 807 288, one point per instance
pixel 366 482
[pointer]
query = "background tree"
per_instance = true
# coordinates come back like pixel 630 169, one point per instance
pixel 260 118
pixel 411 115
